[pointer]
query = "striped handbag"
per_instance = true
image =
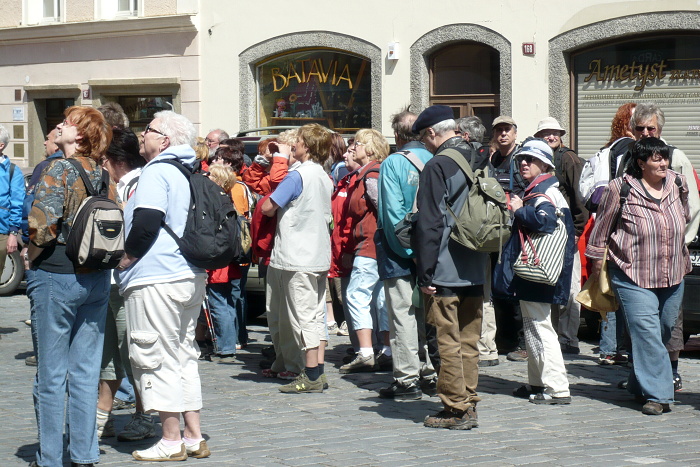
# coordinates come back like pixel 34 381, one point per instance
pixel 541 258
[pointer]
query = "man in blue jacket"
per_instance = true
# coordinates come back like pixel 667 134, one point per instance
pixel 398 184
pixel 11 200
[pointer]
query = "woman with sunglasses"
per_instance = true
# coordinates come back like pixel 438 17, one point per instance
pixel 71 301
pixel 534 213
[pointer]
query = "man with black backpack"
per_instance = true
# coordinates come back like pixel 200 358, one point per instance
pixel 163 291
pixel 449 274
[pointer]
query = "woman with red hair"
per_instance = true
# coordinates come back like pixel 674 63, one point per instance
pixel 71 300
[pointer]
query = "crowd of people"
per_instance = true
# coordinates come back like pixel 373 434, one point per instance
pixel 345 229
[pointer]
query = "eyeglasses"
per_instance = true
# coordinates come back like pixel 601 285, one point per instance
pixel 641 128
pixel 149 129
pixel 66 123
pixel 527 159
pixel 357 143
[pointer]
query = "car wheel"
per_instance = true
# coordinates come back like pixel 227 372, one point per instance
pixel 12 274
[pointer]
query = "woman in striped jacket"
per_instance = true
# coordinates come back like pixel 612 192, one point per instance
pixel 647 260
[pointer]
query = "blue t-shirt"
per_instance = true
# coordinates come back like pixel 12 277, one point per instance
pixel 288 190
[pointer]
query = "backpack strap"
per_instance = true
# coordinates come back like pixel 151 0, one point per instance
pixel 129 185
pixel 624 193
pixel 186 172
pixel 86 180
pixel 12 171
pixel 413 159
pixel 461 159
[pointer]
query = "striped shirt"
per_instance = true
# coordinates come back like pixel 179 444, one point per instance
pixel 648 244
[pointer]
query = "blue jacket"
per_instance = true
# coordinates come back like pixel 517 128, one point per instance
pixel 540 219
pixel 398 184
pixel 11 197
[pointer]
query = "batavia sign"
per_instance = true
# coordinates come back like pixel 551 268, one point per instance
pixel 311 67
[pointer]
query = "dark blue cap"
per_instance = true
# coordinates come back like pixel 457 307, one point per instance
pixel 432 115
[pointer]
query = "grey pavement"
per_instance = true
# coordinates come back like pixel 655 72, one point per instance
pixel 249 423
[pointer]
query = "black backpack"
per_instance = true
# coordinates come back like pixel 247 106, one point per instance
pixel 96 239
pixel 212 235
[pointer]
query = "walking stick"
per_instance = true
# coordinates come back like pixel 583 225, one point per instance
pixel 210 324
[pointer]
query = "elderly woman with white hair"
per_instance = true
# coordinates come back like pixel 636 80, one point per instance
pixel 163 292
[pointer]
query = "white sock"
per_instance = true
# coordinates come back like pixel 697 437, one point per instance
pixel 102 417
pixel 171 442
pixel 191 441
pixel 366 351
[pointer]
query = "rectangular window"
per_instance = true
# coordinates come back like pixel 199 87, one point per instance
pixel 140 109
pixel 52 10
pixel 128 7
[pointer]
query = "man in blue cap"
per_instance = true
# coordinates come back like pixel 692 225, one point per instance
pixel 451 276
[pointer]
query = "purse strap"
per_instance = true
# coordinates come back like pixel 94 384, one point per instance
pixel 525 237
pixel 624 193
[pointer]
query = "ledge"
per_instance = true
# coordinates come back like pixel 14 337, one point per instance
pixel 97 29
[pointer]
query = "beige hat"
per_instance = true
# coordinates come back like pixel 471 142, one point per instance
pixel 549 123
pixel 503 119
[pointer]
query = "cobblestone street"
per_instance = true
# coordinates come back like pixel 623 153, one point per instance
pixel 248 422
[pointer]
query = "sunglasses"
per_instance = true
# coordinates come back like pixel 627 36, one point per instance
pixel 150 129
pixel 640 128
pixel 527 159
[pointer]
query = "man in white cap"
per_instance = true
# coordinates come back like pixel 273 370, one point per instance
pixel 567 166
pixel 451 276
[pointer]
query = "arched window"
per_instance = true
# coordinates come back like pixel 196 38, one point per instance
pixel 466 77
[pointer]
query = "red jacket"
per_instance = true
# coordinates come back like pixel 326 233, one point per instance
pixel 263 182
pixel 362 214
pixel 342 230
pixel 262 231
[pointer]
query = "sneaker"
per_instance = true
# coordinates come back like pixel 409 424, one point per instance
pixel 384 362
pixel 28 322
pixel 485 363
pixel 518 355
pixel 399 392
pixel 265 364
pixel 141 426
pixel 429 387
pixel 287 375
pixel 30 360
pixel 302 384
pixel 228 358
pixel 359 364
pixel 269 352
pixel 525 391
pixel 324 380
pixel 268 373
pixel 677 382
pixel 343 329
pixel 655 408
pixel 160 452
pixel 118 404
pixel 570 349
pixel 349 358
pixel 542 398
pixel 198 450
pixel 106 430
pixel 622 384
pixel 617 359
pixel 333 328
pixel 453 420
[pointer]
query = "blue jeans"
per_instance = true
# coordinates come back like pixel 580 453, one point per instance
pixel 70 312
pixel 611 334
pixel 223 314
pixel 650 315
pixel 242 305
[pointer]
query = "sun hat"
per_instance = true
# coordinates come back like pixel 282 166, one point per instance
pixel 549 123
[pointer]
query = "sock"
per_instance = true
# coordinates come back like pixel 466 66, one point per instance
pixel 386 350
pixel 366 351
pixel 321 368
pixel 191 441
pixel 170 443
pixel 674 367
pixel 313 373
pixel 102 417
pixel 331 323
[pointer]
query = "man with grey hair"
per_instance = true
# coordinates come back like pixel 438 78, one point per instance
pixel 451 276
pixel 213 139
pixel 12 189
pixel 163 292
pixel 398 184
pixel 472 130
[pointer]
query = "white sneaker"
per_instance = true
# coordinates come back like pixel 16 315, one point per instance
pixel 198 450
pixel 160 452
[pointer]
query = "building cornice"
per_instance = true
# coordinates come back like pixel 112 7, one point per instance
pixel 97 29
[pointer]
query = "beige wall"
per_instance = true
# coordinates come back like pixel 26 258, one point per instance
pixel 160 7
pixel 79 10
pixel 403 21
pixel 10 13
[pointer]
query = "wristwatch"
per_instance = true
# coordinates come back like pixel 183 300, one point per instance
pixel 14 232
